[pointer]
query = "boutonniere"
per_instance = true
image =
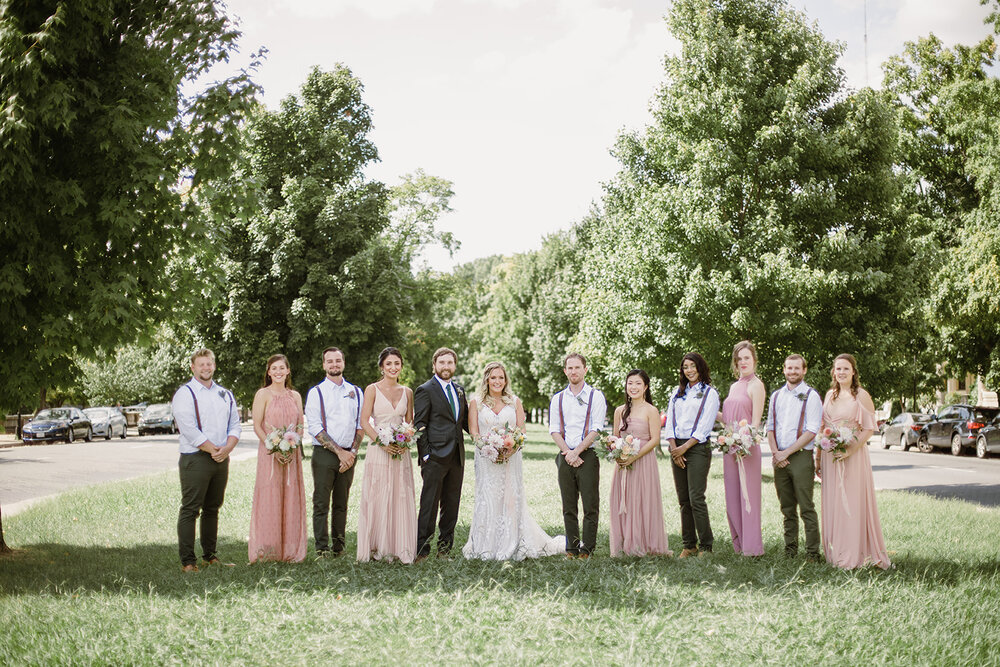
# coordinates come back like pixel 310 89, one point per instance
pixel 350 395
pixel 801 396
pixel 222 394
pixel 579 399
pixel 700 394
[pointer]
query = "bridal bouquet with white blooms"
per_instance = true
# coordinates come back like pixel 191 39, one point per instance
pixel 401 435
pixel 613 448
pixel 739 437
pixel 500 443
pixel 283 441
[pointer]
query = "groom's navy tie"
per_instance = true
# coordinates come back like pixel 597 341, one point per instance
pixel 451 399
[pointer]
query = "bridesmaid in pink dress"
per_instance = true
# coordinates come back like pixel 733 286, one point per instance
pixel 278 514
pixel 636 500
pixel 387 527
pixel 852 530
pixel 745 401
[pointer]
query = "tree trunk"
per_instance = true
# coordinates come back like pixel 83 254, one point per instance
pixel 3 545
pixel 41 398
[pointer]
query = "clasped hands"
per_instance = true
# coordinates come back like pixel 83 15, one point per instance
pixel 572 458
pixel 677 454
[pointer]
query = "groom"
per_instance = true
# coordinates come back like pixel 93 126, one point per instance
pixel 440 414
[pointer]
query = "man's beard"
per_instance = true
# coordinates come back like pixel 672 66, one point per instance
pixel 334 374
pixel 445 374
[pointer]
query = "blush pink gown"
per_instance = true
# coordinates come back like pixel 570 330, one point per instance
pixel 852 530
pixel 744 524
pixel 278 514
pixel 387 525
pixel 637 503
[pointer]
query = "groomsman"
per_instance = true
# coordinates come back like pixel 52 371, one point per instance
pixel 440 414
pixel 575 415
pixel 794 416
pixel 209 425
pixel 333 417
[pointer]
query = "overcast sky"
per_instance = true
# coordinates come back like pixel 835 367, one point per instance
pixel 517 102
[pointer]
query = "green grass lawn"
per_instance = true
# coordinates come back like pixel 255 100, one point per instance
pixel 97 580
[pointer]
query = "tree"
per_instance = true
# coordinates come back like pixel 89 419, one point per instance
pixel 760 204
pixel 949 104
pixel 103 117
pixel 324 256
pixel 137 373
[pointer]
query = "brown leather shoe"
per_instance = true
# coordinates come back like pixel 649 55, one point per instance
pixel 420 558
pixel 704 553
pixel 688 552
pixel 189 568
pixel 570 556
pixel 216 561
pixel 584 556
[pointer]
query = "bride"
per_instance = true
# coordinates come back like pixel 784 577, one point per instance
pixel 502 529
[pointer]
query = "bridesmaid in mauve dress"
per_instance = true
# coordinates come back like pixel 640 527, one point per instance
pixel 636 501
pixel 278 514
pixel 745 401
pixel 852 530
pixel 387 526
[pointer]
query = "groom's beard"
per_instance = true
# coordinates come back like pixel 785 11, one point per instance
pixel 334 374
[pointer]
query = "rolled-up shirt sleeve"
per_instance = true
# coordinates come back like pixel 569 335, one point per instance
pixel 182 406
pixel 554 425
pixel 235 429
pixel 769 424
pixel 669 426
pixel 600 414
pixel 314 419
pixel 358 400
pixel 707 420
pixel 814 413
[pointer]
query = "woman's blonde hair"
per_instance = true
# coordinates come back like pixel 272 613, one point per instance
pixel 855 381
pixel 484 387
pixel 739 347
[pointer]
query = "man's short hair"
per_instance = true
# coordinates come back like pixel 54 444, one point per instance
pixel 333 349
pixel 441 351
pixel 575 355
pixel 203 352
pixel 797 357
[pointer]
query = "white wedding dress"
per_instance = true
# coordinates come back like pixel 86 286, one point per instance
pixel 501 528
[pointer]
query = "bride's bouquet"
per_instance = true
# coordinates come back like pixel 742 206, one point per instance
pixel 500 443
pixel 401 435
pixel 835 440
pixel 739 437
pixel 614 448
pixel 283 441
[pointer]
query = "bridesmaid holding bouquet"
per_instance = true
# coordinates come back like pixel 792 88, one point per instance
pixel 278 514
pixel 852 530
pixel 742 475
pixel 636 501
pixel 387 526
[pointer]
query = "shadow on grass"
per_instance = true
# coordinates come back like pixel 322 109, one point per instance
pixel 987 495
pixel 602 582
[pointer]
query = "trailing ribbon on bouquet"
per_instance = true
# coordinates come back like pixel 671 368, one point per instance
pixel 622 475
pixel 743 483
pixel 839 465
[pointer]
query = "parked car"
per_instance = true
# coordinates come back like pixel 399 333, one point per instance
pixel 988 439
pixel 955 427
pixel 56 424
pixel 904 429
pixel 107 422
pixel 157 417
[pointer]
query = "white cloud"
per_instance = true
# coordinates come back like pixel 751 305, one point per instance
pixel 377 9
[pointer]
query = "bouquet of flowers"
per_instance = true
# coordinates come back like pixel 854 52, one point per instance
pixel 402 435
pixel 836 439
pixel 613 448
pixel 283 441
pixel 738 438
pixel 501 443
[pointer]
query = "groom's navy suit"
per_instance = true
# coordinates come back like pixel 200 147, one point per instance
pixel 441 456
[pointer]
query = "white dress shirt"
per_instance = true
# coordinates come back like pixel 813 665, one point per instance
pixel 786 409
pixel 575 413
pixel 683 411
pixel 447 386
pixel 343 412
pixel 216 409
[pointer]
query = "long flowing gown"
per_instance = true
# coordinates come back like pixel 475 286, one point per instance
pixel 852 530
pixel 278 514
pixel 637 503
pixel 387 525
pixel 502 528
pixel 744 521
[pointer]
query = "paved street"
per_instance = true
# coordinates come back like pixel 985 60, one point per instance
pixel 28 474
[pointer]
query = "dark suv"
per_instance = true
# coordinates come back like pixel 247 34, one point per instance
pixel 955 427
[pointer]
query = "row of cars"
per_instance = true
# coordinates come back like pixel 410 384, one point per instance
pixel 957 427
pixel 71 424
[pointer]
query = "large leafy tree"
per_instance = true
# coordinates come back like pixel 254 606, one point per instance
pixel 761 203
pixel 106 138
pixel 325 255
pixel 949 105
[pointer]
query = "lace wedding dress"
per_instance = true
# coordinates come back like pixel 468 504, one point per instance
pixel 501 528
